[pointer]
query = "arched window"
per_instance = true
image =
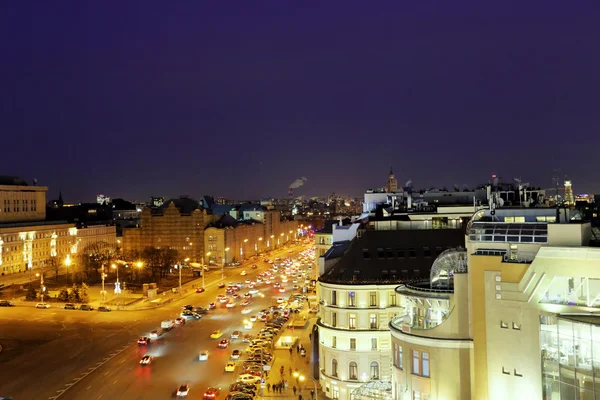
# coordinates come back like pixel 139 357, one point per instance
pixel 334 367
pixel 374 370
pixel 353 371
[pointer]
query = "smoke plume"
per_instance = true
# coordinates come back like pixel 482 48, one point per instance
pixel 298 182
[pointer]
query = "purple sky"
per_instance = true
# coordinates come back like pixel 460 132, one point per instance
pixel 241 98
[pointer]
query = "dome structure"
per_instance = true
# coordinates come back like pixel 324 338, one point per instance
pixel 445 266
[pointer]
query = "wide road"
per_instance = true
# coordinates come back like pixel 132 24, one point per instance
pixel 66 351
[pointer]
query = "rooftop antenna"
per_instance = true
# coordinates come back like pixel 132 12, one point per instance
pixel 35 181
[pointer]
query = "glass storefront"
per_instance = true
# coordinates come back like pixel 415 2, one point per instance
pixel 570 355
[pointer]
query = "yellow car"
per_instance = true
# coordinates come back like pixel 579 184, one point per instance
pixel 230 366
pixel 216 334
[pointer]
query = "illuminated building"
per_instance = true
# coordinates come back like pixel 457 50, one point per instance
pixel 569 199
pixel 178 224
pixel 27 240
pixel 357 296
pixel 102 199
pixel 510 317
pixel 240 237
pixel 391 185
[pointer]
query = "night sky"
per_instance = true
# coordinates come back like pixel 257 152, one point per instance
pixel 241 98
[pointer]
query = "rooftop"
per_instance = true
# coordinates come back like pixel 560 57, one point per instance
pixel 185 205
pixel 7 180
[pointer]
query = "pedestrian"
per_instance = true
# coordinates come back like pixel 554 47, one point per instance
pixel 294 389
pixel 286 384
pixel 291 370
pixel 298 348
pixel 281 370
pixel 299 397
pixel 291 351
pixel 312 394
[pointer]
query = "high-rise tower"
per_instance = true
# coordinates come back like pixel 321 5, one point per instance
pixel 392 183
pixel 569 199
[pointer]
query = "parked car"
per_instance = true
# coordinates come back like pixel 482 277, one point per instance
pixel 6 303
pixel 42 305
pixel 70 306
pixel 86 307
pixel 104 309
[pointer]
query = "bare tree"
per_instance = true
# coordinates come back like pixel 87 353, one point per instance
pixel 53 265
pixel 94 256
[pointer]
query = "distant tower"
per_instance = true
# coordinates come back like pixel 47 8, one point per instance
pixel 392 183
pixel 569 199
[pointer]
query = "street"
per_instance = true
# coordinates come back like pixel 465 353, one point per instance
pixel 74 354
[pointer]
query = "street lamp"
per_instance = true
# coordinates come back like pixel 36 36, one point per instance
pixel 68 264
pixel 207 255
pixel 180 268
pixel 258 244
pixel 302 378
pixel 223 264
pixel 244 249
pixel 103 292
pixel 139 266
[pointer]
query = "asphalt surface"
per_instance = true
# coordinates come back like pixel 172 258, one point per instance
pixel 72 354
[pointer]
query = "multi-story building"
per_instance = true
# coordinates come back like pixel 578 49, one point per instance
pixel 89 234
pixel 229 240
pixel 27 240
pixel 513 316
pixel 357 298
pixel 20 202
pixel 391 185
pixel 178 224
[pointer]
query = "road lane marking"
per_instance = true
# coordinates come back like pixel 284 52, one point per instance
pixel 106 373
pixel 68 385
pixel 115 381
pixel 76 379
pixel 88 388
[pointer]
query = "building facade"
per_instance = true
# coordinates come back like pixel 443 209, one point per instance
pixel 20 202
pixel 178 224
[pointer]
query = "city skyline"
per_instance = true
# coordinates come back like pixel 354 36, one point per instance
pixel 133 101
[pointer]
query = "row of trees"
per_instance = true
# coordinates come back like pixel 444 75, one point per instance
pixel 76 294
pixel 156 263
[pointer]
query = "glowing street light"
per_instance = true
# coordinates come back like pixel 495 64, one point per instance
pixel 68 264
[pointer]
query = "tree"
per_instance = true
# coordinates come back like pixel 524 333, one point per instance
pixel 53 265
pixel 74 294
pixel 31 293
pixel 159 261
pixel 63 295
pixel 83 293
pixel 94 256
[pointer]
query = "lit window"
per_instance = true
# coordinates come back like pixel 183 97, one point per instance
pixel 373 321
pixel 353 371
pixel 374 370
pixel 352 321
pixel 420 363
pixel 351 299
pixel 373 299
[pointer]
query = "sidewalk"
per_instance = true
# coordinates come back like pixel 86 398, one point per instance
pixel 295 361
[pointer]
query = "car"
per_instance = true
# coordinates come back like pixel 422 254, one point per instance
pixel 211 393
pixel 296 287
pixel 104 309
pixel 70 306
pixel 183 390
pixel 245 302
pixel 86 307
pixel 253 291
pixel 212 306
pixel 254 266
pixel 223 300
pixel 203 356
pixel 236 296
pixel 42 305
pixel 188 307
pixel 221 285
pixel 230 305
pixel 216 334
pixel 263 318
pixel 238 396
pixel 236 334
pixel 154 334
pixel 253 318
pixel 6 303
pixel 281 290
pixel 246 310
pixel 236 387
pixel 276 285
pixel 236 354
pixel 144 340
pixel 280 300
pixel 248 378
pixel 223 344
pixel 248 282
pixel 179 321
pixel 200 310
pixel 243 273
pixel 200 290
pixel 146 360
pixel 268 282
pixel 190 314
pixel 230 366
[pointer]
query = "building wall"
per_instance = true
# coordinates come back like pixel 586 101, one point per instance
pixel 372 343
pixel 22 203
pixel 323 242
pixel 25 247
pixel 184 233
pixel 92 234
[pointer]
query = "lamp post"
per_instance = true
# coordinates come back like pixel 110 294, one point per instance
pixel 68 264
pixel 103 292
pixel 244 249
pixel 180 268
pixel 42 288
pixel 139 266
pixel 207 255
pixel 223 264
pixel 258 244
pixel 302 378
pixel 272 241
